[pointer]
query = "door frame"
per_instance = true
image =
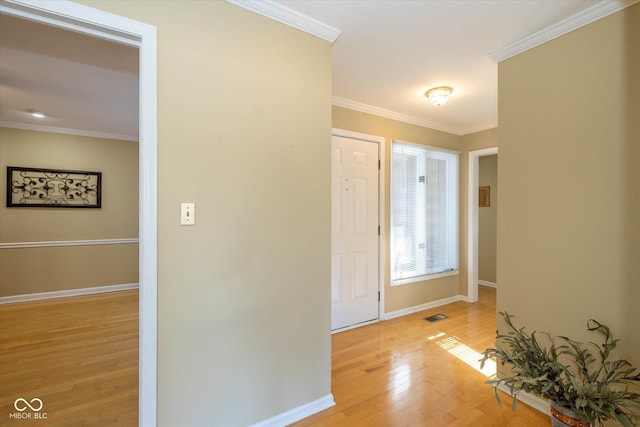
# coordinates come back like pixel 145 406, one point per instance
pixel 381 141
pixel 472 220
pixel 97 23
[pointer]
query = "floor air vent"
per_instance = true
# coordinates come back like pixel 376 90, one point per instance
pixel 436 317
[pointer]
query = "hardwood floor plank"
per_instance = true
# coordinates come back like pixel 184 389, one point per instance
pixel 405 372
pixel 79 355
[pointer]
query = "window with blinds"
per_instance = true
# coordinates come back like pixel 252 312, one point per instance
pixel 424 212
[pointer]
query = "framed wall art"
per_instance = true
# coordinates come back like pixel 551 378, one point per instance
pixel 484 196
pixel 53 188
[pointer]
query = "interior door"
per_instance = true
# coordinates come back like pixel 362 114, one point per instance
pixel 354 232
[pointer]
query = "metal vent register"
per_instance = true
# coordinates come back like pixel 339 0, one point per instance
pixel 436 317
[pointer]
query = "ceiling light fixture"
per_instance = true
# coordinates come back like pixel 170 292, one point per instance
pixel 36 113
pixel 438 95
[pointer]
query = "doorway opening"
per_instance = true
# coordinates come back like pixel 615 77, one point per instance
pixel 472 220
pixel 86 20
pixel 488 220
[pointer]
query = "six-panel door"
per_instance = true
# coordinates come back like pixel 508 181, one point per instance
pixel 354 225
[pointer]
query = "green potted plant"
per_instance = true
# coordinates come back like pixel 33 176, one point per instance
pixel 584 387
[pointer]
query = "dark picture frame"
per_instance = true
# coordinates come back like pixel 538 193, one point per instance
pixel 53 188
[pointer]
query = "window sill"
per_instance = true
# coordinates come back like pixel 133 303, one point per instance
pixel 425 277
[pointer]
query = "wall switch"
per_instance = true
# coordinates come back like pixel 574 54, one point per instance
pixel 187 214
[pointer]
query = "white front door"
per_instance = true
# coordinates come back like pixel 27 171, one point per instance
pixel 354 232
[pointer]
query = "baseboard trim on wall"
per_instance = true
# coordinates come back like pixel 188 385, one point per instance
pixel 68 293
pixel 534 401
pixel 485 283
pixel 422 307
pixel 296 414
pixel 357 325
pixel 68 243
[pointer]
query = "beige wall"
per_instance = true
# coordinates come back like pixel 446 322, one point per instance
pixel 487 220
pixel 48 269
pixel 244 110
pixel 568 233
pixel 411 294
pixel 118 162
pixel 44 269
pixel 471 142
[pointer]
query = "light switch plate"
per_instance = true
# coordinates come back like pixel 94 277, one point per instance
pixel 187 214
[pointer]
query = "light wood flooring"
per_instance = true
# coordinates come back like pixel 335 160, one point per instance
pixel 78 355
pixel 403 372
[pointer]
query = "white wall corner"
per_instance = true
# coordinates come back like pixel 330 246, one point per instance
pixel 298 413
pixel 290 17
pixel 585 17
pixel 464 298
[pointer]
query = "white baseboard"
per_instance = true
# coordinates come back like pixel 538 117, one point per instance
pixel 422 307
pixel 68 293
pixel 532 400
pixel 485 283
pixel 357 325
pixel 296 414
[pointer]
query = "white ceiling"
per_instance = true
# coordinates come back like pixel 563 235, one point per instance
pixel 388 54
pixel 82 83
pixel 391 51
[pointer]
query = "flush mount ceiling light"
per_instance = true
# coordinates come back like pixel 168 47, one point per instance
pixel 438 95
pixel 35 113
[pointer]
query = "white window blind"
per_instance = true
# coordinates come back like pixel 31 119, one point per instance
pixel 424 211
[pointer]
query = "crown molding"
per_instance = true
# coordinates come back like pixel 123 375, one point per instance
pixel 486 126
pixel 376 111
pixel 587 16
pixel 289 17
pixel 66 131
